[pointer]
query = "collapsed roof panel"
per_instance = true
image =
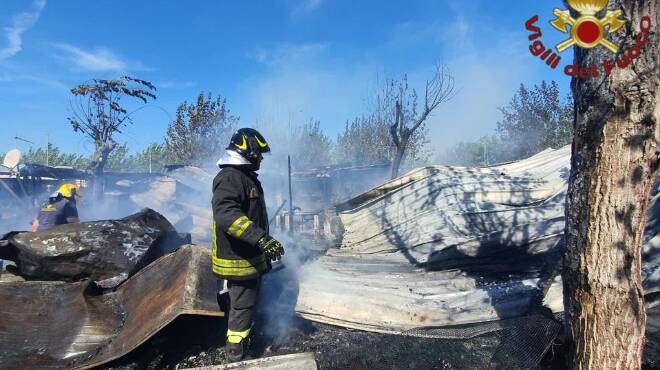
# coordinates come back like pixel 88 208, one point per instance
pixel 443 246
pixel 37 170
pixel 106 251
pixel 183 196
pixel 442 206
pixel 47 325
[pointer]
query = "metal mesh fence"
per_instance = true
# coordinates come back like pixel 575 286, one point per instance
pixel 516 343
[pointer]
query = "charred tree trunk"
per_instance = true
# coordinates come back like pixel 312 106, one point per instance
pixel 100 158
pixel 97 165
pixel 398 158
pixel 400 136
pixel 614 164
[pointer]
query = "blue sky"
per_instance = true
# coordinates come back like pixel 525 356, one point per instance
pixel 274 61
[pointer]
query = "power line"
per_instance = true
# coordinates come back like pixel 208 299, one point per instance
pixel 21 139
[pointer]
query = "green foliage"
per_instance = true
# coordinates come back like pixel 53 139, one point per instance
pixel 307 144
pixel 485 151
pixel 364 141
pixel 118 158
pixel 311 146
pixel 200 131
pixel 152 159
pixel 55 157
pixel 535 119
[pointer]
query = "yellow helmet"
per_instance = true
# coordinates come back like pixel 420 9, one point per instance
pixel 69 190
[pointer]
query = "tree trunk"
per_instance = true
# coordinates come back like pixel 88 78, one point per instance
pixel 100 157
pixel 398 157
pixel 614 164
pixel 97 165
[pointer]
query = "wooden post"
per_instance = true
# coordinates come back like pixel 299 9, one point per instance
pixel 317 225
pixel 287 222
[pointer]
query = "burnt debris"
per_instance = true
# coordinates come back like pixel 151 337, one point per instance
pixel 55 325
pixel 106 251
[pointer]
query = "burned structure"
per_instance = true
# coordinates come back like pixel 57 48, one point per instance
pixel 180 194
pixel 95 291
pixel 444 266
pixel 318 190
pixel 454 252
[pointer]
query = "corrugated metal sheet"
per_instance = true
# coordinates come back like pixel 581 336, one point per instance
pixel 54 325
pixel 443 246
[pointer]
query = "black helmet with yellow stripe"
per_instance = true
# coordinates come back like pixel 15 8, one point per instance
pixel 249 143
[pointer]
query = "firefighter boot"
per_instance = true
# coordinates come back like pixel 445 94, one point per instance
pixel 235 352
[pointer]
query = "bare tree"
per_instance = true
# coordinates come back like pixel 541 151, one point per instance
pixel 399 104
pixel 97 112
pixel 613 166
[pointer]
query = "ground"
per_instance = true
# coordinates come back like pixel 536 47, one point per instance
pixel 198 341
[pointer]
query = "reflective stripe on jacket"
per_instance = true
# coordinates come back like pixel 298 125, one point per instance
pixel 240 220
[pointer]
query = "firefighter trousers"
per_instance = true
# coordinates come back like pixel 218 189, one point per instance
pixel 243 296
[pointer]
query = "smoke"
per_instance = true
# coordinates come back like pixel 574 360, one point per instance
pixel 279 292
pixel 183 196
pixel 19 203
pixel 15 215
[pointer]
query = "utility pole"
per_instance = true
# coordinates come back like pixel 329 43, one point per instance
pixel 47 150
pixel 149 149
pixel 486 152
pixel 290 198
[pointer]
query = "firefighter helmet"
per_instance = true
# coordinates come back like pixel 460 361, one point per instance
pixel 68 190
pixel 249 143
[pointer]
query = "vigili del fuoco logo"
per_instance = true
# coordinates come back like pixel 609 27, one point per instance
pixel 591 28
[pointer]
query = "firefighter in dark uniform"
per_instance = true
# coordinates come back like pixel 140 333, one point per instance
pixel 60 209
pixel 242 248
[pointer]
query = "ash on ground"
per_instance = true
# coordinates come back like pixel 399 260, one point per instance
pixel 194 341
pixel 199 341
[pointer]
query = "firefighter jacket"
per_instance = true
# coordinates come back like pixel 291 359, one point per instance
pixel 240 220
pixel 56 211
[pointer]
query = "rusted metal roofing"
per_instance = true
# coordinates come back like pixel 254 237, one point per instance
pixel 54 325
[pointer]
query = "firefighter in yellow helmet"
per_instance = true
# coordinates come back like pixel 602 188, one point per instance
pixel 59 209
pixel 242 247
